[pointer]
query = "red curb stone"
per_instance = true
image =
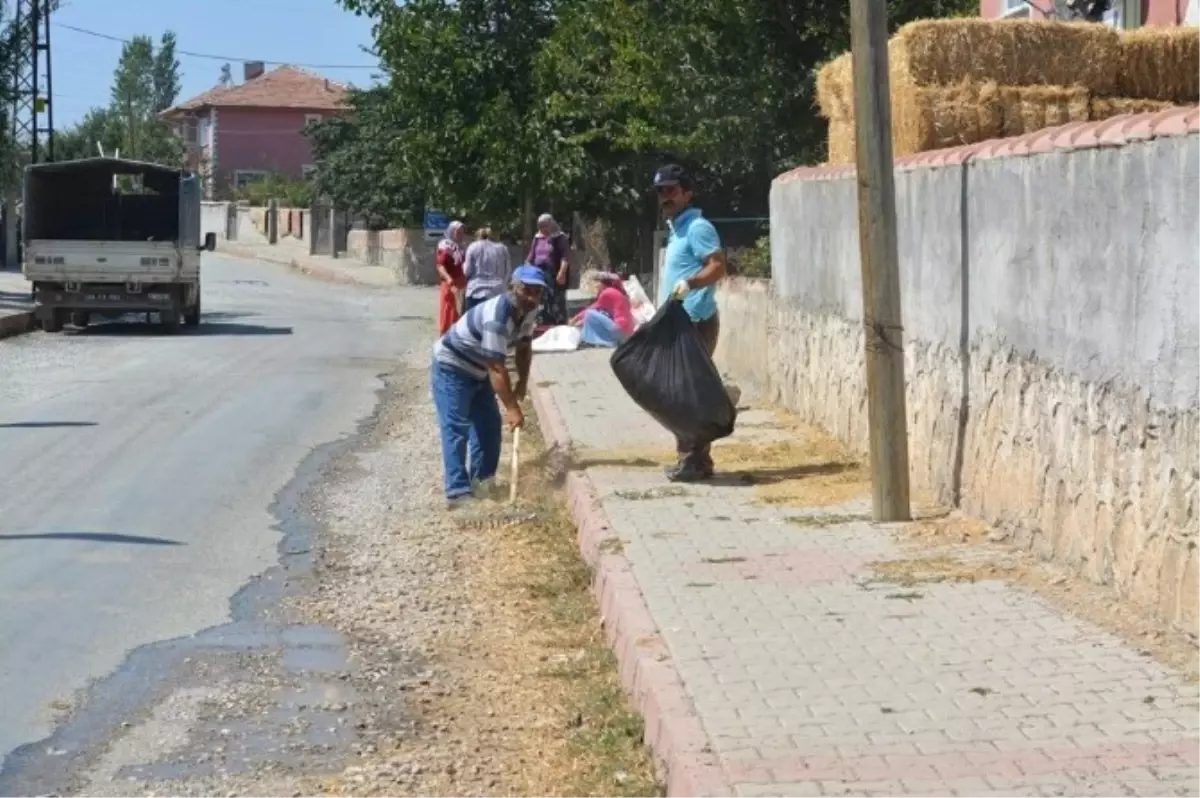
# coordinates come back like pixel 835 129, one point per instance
pixel 674 732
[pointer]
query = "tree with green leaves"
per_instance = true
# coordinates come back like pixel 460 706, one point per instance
pixel 462 77
pixel 498 105
pixel 360 161
pixel 100 126
pixel 145 83
pixel 724 85
pixel 164 74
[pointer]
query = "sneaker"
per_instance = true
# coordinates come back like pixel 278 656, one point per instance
pixel 689 473
pixel 458 502
pixel 484 488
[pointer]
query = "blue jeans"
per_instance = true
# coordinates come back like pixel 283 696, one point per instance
pixel 599 330
pixel 470 419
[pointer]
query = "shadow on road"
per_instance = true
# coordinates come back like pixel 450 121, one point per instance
pixel 205 328
pixel 96 537
pixel 46 424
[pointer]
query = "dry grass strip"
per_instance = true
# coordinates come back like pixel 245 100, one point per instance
pixel 801 467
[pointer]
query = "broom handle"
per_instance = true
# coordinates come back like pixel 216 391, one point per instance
pixel 516 448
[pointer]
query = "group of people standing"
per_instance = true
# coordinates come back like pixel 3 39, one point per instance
pixel 471 274
pixel 486 312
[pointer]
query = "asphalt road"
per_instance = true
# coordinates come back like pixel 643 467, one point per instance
pixel 137 470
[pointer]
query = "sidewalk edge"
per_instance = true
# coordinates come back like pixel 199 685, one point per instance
pixel 316 271
pixel 16 324
pixel 673 728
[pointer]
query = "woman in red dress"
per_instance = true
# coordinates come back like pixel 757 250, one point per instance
pixel 451 279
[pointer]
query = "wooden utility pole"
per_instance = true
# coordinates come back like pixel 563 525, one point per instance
pixel 882 325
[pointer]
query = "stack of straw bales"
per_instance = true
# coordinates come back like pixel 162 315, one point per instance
pixel 962 81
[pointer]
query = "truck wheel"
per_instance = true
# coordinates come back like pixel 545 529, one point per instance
pixel 81 319
pixel 53 322
pixel 191 317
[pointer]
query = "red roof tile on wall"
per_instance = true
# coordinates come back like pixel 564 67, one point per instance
pixel 1115 132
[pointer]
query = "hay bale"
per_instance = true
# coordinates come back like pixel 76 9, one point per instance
pixel 1008 52
pixel 1108 107
pixel 835 95
pixel 926 119
pixel 842 148
pixel 1026 109
pixel 933 118
pixel 1160 64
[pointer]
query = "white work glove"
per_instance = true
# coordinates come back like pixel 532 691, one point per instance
pixel 681 290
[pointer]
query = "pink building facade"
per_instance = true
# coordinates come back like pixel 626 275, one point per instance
pixel 1130 13
pixel 242 133
pixel 249 143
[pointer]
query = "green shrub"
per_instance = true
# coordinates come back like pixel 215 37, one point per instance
pixel 290 193
pixel 755 261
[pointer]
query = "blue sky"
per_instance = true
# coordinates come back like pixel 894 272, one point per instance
pixel 293 31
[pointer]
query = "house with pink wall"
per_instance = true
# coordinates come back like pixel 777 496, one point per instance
pixel 241 133
pixel 1125 13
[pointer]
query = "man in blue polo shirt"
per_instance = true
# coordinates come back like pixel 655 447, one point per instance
pixel 470 372
pixel 692 265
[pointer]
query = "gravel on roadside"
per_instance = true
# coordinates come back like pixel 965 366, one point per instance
pixel 475 666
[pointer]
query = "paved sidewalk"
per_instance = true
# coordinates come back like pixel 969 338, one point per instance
pixel 338 270
pixel 16 308
pixel 767 663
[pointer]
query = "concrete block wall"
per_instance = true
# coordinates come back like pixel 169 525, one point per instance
pixel 250 225
pixel 405 252
pixel 1051 294
pixel 213 219
pixel 293 225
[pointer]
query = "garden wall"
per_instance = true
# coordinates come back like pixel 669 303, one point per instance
pixel 1051 288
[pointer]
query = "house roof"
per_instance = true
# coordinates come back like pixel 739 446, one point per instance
pixel 282 87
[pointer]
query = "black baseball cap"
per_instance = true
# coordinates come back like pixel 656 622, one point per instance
pixel 673 175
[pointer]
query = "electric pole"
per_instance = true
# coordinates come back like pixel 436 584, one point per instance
pixel 882 323
pixel 33 110
pixel 30 140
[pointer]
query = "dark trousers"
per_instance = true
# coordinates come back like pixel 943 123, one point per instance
pixel 693 453
pixel 553 310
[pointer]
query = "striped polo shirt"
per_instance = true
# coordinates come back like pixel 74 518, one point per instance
pixel 483 336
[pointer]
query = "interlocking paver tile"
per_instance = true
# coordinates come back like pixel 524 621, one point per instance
pixel 810 680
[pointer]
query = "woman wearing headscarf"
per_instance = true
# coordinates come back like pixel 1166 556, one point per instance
pixel 550 252
pixel 451 279
pixel 486 268
pixel 608 321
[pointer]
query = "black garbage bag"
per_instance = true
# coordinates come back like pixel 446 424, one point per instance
pixel 665 368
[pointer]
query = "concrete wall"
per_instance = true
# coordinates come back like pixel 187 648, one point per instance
pixel 213 219
pixel 251 225
pixel 405 252
pixel 408 253
pixel 1051 320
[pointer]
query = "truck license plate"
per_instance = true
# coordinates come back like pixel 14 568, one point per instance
pixel 105 297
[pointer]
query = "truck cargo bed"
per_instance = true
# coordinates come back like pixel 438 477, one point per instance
pixel 108 262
